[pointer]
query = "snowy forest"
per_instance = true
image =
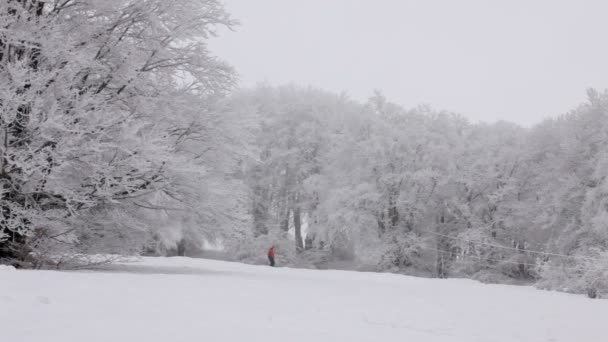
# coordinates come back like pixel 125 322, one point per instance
pixel 122 134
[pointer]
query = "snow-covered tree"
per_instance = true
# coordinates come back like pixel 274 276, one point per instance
pixel 426 192
pixel 108 117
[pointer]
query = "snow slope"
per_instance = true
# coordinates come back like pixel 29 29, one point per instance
pixel 180 299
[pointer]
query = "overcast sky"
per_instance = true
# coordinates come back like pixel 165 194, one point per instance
pixel 515 60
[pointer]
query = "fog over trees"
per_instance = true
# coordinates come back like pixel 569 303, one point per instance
pixel 122 134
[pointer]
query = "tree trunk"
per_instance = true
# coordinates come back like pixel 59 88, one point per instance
pixel 521 266
pixel 440 266
pixel 442 250
pixel 285 220
pixel 381 225
pixel 260 211
pixel 287 201
pixel 181 247
pixel 297 223
pixel 309 241
pixel 393 212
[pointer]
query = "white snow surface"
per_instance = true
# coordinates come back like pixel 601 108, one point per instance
pixel 181 299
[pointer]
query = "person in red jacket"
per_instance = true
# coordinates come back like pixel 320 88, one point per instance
pixel 271 255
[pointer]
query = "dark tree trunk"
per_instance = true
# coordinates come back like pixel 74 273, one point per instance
pixel 309 241
pixel 393 213
pixel 297 223
pixel 181 247
pixel 521 266
pixel 443 254
pixel 440 271
pixel 287 202
pixel 381 225
pixel 285 220
pixel 260 211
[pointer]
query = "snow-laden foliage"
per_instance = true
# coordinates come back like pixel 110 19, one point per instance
pixel 426 192
pixel 111 126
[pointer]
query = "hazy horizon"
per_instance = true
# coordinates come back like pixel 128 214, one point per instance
pixel 514 61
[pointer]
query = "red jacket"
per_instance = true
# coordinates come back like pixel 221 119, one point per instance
pixel 271 252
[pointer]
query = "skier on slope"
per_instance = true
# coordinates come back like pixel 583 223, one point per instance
pixel 271 255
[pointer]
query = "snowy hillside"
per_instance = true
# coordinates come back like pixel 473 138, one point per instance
pixel 179 299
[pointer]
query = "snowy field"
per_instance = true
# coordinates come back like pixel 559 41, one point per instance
pixel 180 299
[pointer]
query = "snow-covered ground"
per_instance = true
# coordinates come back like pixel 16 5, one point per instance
pixel 180 299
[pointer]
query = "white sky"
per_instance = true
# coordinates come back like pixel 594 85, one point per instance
pixel 515 60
